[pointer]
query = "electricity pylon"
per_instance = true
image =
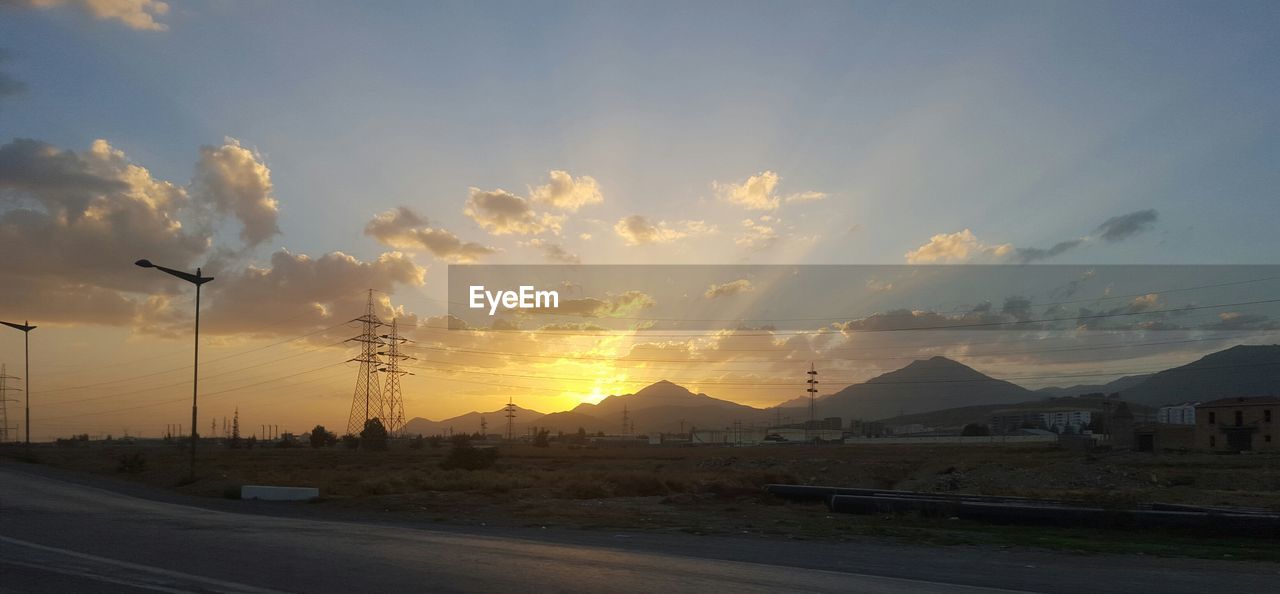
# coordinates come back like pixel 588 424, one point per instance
pixel 813 405
pixel 366 403
pixel 391 396
pixel 511 419
pixel 4 403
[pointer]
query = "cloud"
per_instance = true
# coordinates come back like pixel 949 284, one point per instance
pixel 728 289
pixel 75 218
pixel 1027 255
pixel 566 192
pixel 757 235
pixel 79 219
pixel 639 230
pixel 611 306
pixel 135 14
pixel 233 180
pixel 502 213
pixel 404 229
pixel 553 251
pixel 757 192
pixel 305 292
pixel 809 196
pixel 962 246
pixel 1122 227
pixel 9 86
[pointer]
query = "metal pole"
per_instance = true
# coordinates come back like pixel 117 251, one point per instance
pixel 195 381
pixel 26 353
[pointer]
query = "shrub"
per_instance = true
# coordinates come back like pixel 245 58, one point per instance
pixel 350 441
pixel 321 437
pixel 132 463
pixel 467 457
pixel 374 436
pixel 434 441
pixel 416 443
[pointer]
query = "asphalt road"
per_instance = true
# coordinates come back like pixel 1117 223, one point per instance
pixel 59 535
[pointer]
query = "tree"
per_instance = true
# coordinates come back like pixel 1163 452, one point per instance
pixel 374 436
pixel 321 437
pixel 975 430
pixel 542 439
pixel 582 436
pixel 350 441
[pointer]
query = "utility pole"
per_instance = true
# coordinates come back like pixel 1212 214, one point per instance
pixel 26 329
pixel 484 428
pixel 367 403
pixel 813 405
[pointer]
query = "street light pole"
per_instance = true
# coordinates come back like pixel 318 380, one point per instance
pixel 196 279
pixel 26 329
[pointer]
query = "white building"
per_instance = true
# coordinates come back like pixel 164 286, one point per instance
pixel 1177 414
pixel 1062 420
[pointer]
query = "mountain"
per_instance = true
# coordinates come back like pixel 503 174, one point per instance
pixel 1117 385
pixel 927 385
pixel 1244 370
pixel 470 422
pixel 670 399
pixel 953 418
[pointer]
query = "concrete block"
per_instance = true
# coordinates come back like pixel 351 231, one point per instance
pixel 267 493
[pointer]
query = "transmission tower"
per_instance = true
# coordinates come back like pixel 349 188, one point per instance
pixel 4 404
pixel 813 405
pixel 511 419
pixel 367 402
pixel 391 397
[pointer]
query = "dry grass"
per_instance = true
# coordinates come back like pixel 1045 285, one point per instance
pixel 706 490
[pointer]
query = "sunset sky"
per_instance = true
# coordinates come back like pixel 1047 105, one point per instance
pixel 304 153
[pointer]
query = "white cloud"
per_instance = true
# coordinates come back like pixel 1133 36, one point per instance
pixel 758 192
pixel 502 213
pixel 757 235
pixel 961 246
pixel 135 14
pixel 404 229
pixel 233 180
pixel 567 192
pixel 638 230
pixel 728 289
pixel 553 251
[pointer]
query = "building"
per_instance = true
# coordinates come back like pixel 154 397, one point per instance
pixel 1004 422
pixel 1177 414
pixel 1067 421
pixel 1238 424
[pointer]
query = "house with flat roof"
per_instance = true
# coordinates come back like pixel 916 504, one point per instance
pixel 1238 424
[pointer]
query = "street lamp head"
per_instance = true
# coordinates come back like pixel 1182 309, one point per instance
pixel 145 263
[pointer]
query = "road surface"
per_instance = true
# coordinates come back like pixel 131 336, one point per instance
pixel 59 535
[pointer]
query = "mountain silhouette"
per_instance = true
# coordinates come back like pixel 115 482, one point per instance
pixel 470 422
pixel 924 385
pixel 666 407
pixel 1116 385
pixel 1244 370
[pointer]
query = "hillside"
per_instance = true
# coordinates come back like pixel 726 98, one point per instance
pixel 981 414
pixel 928 385
pixel 670 398
pixel 1110 387
pixel 470 422
pixel 1244 370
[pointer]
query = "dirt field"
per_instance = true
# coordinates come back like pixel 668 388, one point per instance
pixel 718 490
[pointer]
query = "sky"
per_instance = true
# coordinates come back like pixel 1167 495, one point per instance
pixel 305 152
